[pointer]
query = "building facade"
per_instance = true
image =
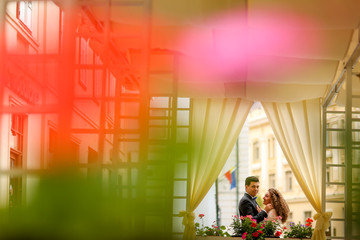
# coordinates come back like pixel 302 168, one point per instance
pixel 30 97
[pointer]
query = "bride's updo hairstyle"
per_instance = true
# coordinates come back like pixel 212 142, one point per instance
pixel 279 204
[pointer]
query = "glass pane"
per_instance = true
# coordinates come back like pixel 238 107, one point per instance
pixel 130 109
pixel 155 192
pixel 128 137
pixel 159 122
pixel 356 156
pixel 337 209
pixel 177 224
pixel 182 135
pixel 183 118
pixel 154 224
pixel 159 171
pixel 180 170
pixel 158 133
pixel 335 156
pixel 337 228
pixel 129 123
pixel 335 138
pixel 356 175
pixel 134 156
pixel 134 176
pixel 159 102
pixel 183 102
pixel 159 112
pixel 179 205
pixel 180 188
pixel 335 174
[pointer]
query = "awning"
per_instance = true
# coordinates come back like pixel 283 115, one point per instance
pixel 261 50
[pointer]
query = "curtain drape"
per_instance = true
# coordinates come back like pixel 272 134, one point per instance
pixel 216 124
pixel 297 127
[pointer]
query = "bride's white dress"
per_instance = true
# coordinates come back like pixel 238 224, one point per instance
pixel 272 215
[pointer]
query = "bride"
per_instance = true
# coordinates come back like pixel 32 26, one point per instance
pixel 281 208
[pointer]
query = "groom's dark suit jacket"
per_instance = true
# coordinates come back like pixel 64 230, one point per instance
pixel 248 205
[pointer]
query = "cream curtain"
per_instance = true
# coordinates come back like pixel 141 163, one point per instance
pixel 297 127
pixel 216 124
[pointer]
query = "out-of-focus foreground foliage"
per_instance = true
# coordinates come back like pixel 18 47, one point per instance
pixel 70 206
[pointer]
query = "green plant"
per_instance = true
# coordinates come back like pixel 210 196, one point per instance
pixel 300 230
pixel 272 228
pixel 247 228
pixel 214 230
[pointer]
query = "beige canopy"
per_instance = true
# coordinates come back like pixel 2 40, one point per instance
pixel 294 49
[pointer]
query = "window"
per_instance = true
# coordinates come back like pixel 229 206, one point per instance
pixel 16 157
pixel 92 156
pixel 98 76
pixel 92 160
pixel 83 54
pixel 74 152
pixel 272 181
pixel 15 181
pixel 288 181
pixel 271 147
pixel 52 144
pixel 289 220
pixel 307 214
pixel 256 151
pixel 17 132
pixel 74 147
pixel 341 134
pixel 110 92
pixel 24 13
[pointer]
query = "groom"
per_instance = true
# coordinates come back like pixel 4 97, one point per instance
pixel 248 204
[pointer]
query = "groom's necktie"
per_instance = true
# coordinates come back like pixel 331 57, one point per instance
pixel 254 199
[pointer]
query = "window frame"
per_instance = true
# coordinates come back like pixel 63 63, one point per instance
pixel 272 178
pixel 256 151
pixel 288 181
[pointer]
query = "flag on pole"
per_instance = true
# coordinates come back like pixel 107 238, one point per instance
pixel 231 176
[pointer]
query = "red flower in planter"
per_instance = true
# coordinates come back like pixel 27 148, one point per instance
pixel 277 234
pixel 308 222
pixel 247 228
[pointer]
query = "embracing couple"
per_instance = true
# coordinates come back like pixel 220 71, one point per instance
pixel 275 204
